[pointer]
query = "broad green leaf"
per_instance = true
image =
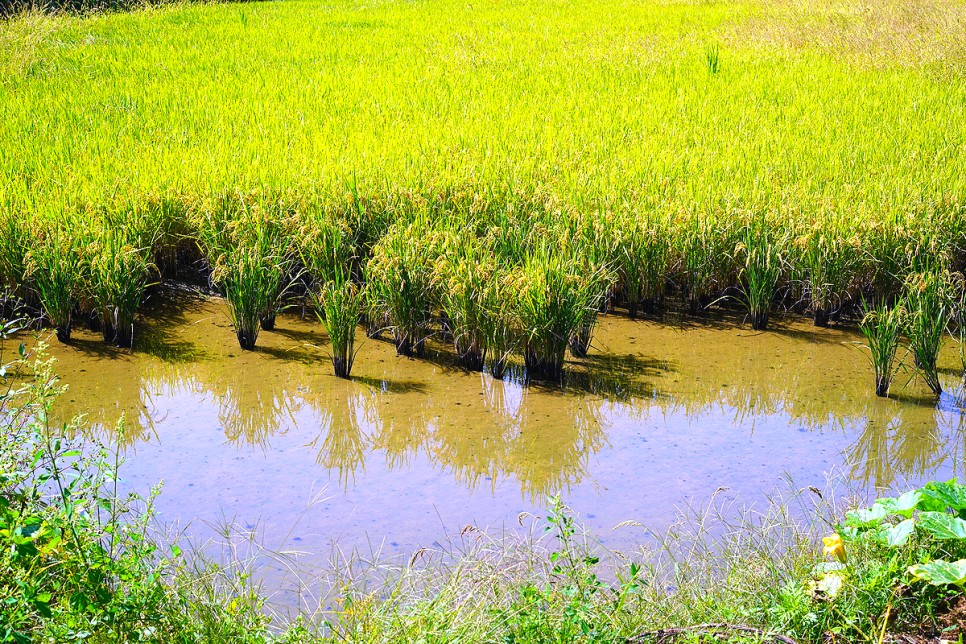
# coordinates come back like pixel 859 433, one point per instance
pixel 903 505
pixel 942 526
pixel 847 532
pixel 829 585
pixel 865 517
pixel 941 573
pixel 897 535
pixel 951 494
pixel 826 567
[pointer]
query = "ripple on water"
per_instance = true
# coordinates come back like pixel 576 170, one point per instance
pixel 409 449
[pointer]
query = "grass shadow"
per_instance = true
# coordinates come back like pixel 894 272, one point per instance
pixel 615 378
pixel 161 316
pixel 98 349
pixel 383 385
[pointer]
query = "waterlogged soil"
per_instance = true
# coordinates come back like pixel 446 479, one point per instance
pixel 409 451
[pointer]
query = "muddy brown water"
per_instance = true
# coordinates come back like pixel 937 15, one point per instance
pixel 410 450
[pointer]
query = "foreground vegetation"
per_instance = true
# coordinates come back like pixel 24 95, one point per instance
pixel 82 561
pixel 497 177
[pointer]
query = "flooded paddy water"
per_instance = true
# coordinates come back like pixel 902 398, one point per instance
pixel 411 450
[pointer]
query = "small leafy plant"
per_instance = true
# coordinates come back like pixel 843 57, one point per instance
pixel 935 515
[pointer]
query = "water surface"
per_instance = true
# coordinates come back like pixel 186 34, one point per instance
pixel 410 450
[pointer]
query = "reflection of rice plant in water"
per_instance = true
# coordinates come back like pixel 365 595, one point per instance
pixel 928 297
pixel 761 256
pixel 882 328
pixel 55 264
pixel 119 270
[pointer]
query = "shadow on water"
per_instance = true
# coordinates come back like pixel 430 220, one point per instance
pixel 384 386
pixel 618 378
pixel 736 321
pixel 399 412
pixel 99 349
pixel 304 354
pixel 160 322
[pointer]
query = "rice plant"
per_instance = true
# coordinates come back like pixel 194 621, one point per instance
pixel 551 302
pixel 761 254
pixel 593 247
pixel 462 276
pixel 119 269
pixel 598 279
pixel 399 280
pixel 829 258
pixel 14 244
pixel 644 262
pixel 929 302
pixel 704 244
pixel 340 303
pixel 712 58
pixel 502 335
pixel 325 250
pixel 651 158
pixel 56 267
pixel 251 261
pixel 882 327
pixel 959 319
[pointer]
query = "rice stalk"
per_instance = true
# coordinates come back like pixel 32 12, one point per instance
pixel 552 301
pixel 762 257
pixel 882 328
pixel 399 281
pixel 829 258
pixel 461 277
pixel 340 304
pixel 55 265
pixel 928 301
pixel 644 261
pixel 250 260
pixel 119 270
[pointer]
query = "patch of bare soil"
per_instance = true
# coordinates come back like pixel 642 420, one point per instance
pixel 951 628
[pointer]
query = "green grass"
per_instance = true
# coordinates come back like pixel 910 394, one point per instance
pixel 78 558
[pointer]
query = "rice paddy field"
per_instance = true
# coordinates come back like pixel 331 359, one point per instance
pixel 323 256
pixel 773 149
